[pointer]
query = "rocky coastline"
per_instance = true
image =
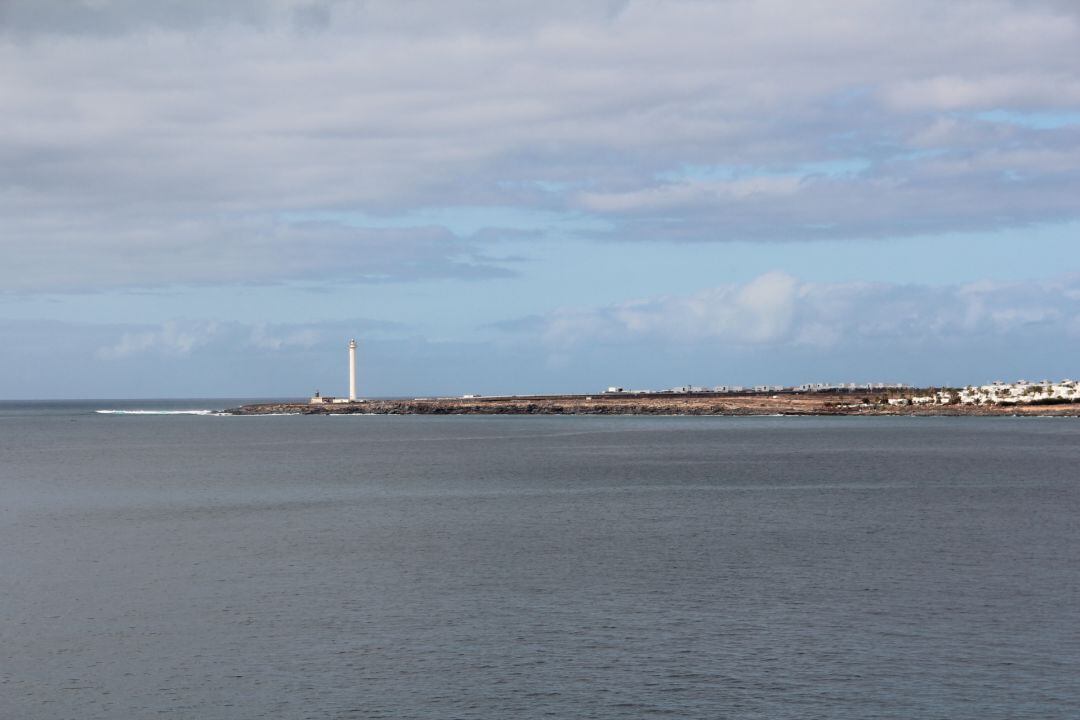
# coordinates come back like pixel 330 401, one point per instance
pixel 722 405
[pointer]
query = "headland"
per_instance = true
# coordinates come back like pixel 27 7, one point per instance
pixel 1043 398
pixel 895 402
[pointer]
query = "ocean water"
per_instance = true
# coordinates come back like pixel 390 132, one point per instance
pixel 198 566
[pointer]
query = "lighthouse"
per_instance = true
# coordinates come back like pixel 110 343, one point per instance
pixel 352 371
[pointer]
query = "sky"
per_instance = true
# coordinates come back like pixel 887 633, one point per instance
pixel 208 199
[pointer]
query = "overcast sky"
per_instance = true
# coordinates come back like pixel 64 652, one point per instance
pixel 207 198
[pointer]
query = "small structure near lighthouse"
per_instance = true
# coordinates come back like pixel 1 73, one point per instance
pixel 319 399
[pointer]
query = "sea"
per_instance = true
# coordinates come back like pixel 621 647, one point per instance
pixel 160 560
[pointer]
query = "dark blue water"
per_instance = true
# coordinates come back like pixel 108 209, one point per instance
pixel 499 567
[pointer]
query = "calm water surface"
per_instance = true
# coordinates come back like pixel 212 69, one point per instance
pixel 571 567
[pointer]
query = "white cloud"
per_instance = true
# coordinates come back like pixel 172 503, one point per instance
pixel 184 337
pixel 267 338
pixel 231 250
pixel 690 194
pixel 156 142
pixel 951 92
pixel 774 328
pixel 171 338
pixel 776 309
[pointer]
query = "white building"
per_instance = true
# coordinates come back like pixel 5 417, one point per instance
pixel 319 399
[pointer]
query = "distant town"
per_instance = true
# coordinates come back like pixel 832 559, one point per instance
pixel 723 389
pixel 997 392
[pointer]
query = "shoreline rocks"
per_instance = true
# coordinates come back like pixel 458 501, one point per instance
pixel 809 404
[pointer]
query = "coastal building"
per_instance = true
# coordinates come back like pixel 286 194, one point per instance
pixel 320 399
pixel 1021 392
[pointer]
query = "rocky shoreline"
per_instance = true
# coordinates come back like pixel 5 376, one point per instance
pixel 786 404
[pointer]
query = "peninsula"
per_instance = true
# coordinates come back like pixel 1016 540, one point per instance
pixel 782 402
pixel 998 398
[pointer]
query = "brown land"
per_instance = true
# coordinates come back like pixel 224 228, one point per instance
pixel 663 404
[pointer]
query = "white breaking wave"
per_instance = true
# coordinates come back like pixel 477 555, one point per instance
pixel 159 412
pixel 261 414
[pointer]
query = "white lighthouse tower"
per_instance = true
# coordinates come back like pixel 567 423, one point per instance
pixel 352 370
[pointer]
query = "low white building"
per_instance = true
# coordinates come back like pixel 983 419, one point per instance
pixel 1021 392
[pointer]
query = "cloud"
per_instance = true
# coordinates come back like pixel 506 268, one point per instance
pixel 960 176
pixel 198 359
pixel 172 338
pixel 266 338
pixel 778 310
pixel 774 328
pixel 757 312
pixel 154 142
pixel 69 256
pixel 179 338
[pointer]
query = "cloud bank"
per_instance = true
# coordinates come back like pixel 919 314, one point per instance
pixel 777 310
pixel 150 143
pixel 775 328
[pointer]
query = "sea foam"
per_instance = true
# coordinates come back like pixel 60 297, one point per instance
pixel 159 412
